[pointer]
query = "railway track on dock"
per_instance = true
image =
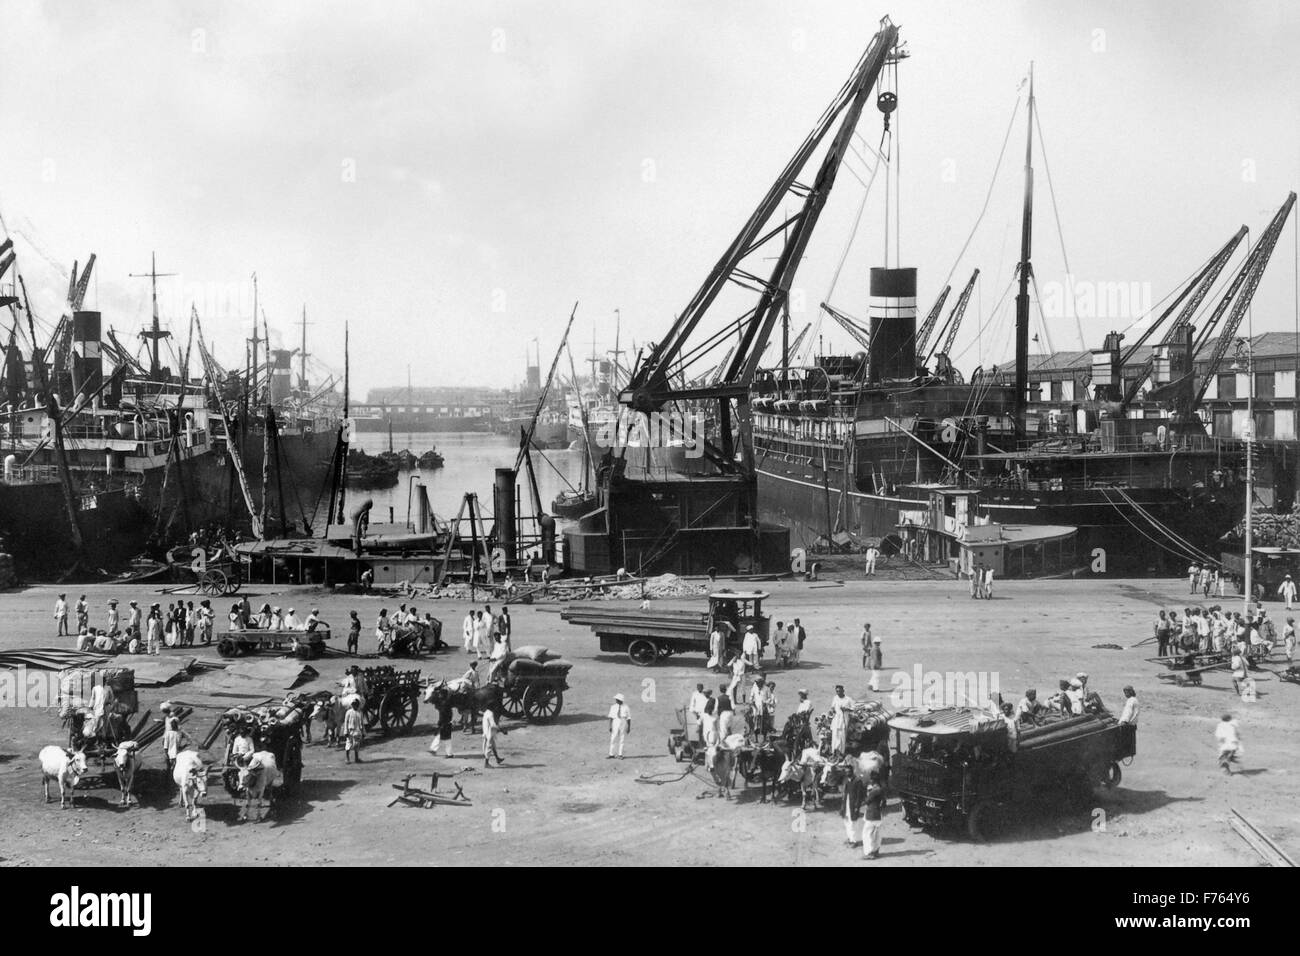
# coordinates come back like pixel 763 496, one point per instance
pixel 1268 850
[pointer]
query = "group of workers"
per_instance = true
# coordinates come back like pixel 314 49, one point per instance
pixel 1214 630
pixel 183 624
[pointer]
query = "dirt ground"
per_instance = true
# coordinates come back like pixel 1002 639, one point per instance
pixel 557 800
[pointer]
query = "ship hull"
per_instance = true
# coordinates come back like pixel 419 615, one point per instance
pixel 1136 531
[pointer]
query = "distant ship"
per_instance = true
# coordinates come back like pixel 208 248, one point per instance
pixel 107 456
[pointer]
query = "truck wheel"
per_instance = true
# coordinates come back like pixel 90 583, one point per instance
pixel 1113 776
pixel 642 652
pixel 982 822
pixel 227 647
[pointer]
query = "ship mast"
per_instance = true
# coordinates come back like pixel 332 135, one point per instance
pixel 1025 270
pixel 155 331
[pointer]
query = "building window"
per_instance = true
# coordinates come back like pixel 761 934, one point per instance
pixel 1263 424
pixel 1057 396
pixel 1223 426
pixel 1264 385
pixel 1227 385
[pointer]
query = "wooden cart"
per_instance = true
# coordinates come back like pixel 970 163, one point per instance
pixel 392 700
pixel 308 645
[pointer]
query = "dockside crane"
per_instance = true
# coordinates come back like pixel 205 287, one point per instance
pixel 1240 294
pixel 927 327
pixel 949 331
pixel 651 386
pixel 1190 300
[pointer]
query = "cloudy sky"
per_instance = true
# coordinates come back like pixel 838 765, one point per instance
pixel 450 177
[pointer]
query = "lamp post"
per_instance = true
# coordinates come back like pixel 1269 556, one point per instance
pixel 1246 351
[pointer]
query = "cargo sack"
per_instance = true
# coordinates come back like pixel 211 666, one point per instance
pixel 533 652
pixel 124 704
pixel 557 666
pixel 523 665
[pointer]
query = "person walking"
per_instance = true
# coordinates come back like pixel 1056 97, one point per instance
pixel 620 724
pixel 738 666
pixel 354 633
pixel 873 813
pixel 83 614
pixel 866 646
pixel 114 619
pixel 504 627
pixel 153 631
pixel 715 649
pixel 872 554
pixel 491 730
pixel 877 665
pixel 793 647
pixel 749 647
pixel 61 615
pixel 1288 590
pixel 1288 638
pixel 1193 571
pixel 442 742
pixel 1229 743
pixel 354 732
pixel 383 629
pixel 800 637
pixel 855 793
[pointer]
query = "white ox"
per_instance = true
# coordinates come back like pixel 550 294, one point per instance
pixel 256 778
pixel 126 761
pixel 191 776
pixel 805 771
pixel 65 766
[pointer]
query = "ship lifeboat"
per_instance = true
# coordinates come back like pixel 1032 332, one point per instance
pixel 785 405
pixel 813 407
pixel 763 404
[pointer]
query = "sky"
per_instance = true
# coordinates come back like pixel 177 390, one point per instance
pixel 449 178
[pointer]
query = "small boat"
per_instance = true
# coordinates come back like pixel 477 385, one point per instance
pixel 573 504
pixel 370 471
pixel 431 459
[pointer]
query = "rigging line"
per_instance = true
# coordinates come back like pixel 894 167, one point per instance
pixel 1120 511
pixel 985 324
pixel 1038 301
pixel 1187 549
pixel 1167 531
pixel 987 196
pixel 1060 234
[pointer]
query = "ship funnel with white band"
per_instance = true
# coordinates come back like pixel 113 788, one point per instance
pixel 892 312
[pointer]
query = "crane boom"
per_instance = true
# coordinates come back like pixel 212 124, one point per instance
pixel 1195 294
pixel 955 317
pixel 927 327
pixel 1251 272
pixel 650 387
pixel 860 335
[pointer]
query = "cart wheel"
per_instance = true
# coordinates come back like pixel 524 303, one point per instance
pixel 643 652
pixel 543 702
pixel 397 712
pixel 512 700
pixel 1113 776
pixel 232 585
pixel 372 714
pixel 230 779
pixel 227 647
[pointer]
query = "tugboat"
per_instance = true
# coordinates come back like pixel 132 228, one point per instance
pixel 430 460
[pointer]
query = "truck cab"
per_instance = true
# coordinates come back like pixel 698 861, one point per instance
pixel 734 611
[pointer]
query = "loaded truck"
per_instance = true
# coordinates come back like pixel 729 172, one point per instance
pixel 650 636
pixel 960 766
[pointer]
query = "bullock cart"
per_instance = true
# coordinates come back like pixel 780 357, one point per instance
pixel 533 683
pixel 275 728
pixel 392 699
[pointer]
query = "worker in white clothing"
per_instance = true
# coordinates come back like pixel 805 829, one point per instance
pixel 805 705
pixel 620 723
pixel 1287 590
pixel 749 646
pixel 61 615
pixel 1129 715
pixel 467 631
pixel 840 708
pixel 695 710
